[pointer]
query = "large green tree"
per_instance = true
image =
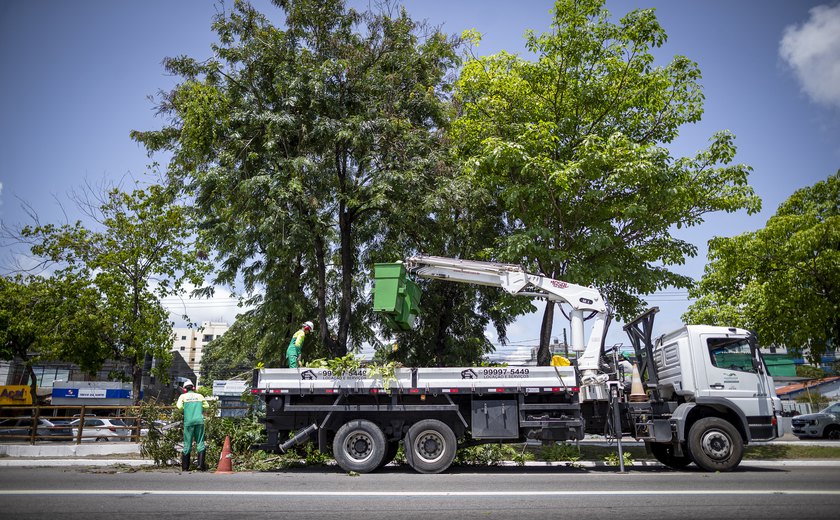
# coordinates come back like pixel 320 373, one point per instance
pixel 137 248
pixel 573 142
pixel 782 281
pixel 304 143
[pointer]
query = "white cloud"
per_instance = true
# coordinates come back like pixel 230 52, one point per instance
pixel 812 50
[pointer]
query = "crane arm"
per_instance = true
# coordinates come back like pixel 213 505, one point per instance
pixel 515 280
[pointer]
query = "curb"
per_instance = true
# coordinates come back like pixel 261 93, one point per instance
pixel 32 463
pixel 92 449
pixel 49 463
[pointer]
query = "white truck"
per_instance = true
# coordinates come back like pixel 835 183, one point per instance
pixel 704 392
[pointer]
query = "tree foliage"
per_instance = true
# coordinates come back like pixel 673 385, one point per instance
pixel 110 275
pixel 305 145
pixel 574 144
pixel 782 281
pixel 21 323
pixel 48 319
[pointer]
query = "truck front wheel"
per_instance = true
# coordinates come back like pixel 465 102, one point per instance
pixel 430 446
pixel 664 453
pixel 715 444
pixel 359 446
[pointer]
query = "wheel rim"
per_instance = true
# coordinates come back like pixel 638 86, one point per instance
pixel 834 435
pixel 359 446
pixel 429 446
pixel 716 444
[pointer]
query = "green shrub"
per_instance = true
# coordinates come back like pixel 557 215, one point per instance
pixel 490 455
pixel 560 451
pixel 611 459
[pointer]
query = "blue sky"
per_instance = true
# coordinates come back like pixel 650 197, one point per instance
pixel 76 76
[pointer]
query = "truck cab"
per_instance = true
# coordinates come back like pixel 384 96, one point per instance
pixel 724 366
pixel 720 396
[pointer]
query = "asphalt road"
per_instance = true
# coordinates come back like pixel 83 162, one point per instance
pixel 760 492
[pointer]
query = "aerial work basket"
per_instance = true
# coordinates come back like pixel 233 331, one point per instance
pixel 395 295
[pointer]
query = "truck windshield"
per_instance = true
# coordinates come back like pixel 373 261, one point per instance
pixel 732 354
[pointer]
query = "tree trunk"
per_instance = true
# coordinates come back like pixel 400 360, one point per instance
pixel 33 383
pixel 136 379
pixel 544 354
pixel 445 320
pixel 347 267
pixel 321 296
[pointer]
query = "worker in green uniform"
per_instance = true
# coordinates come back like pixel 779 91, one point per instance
pixel 193 405
pixel 293 352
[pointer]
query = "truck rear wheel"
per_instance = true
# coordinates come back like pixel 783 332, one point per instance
pixel 664 453
pixel 359 446
pixel 715 444
pixel 430 446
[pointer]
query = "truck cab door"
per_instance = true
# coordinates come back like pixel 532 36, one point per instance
pixel 736 372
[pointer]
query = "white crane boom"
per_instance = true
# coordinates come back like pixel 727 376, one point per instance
pixel 515 280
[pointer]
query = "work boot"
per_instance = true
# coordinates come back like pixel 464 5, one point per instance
pixel 201 465
pixel 185 462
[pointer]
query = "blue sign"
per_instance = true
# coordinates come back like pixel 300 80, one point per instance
pixel 73 393
pixel 66 393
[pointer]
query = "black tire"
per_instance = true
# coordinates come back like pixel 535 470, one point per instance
pixel 101 439
pixel 832 433
pixel 430 446
pixel 390 453
pixel 664 453
pixel 715 445
pixel 359 446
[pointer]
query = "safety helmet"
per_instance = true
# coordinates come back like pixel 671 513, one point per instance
pixel 308 325
pixel 188 384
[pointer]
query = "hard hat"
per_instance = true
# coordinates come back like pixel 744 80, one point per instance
pixel 188 384
pixel 308 324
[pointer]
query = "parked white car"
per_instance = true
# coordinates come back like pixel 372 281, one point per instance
pixel 162 426
pixel 102 429
pixel 824 424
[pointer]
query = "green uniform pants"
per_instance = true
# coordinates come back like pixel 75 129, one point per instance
pixel 292 353
pixel 195 431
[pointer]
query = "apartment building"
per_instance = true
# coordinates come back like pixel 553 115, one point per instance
pixel 189 343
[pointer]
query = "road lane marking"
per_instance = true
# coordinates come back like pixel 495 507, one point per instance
pixel 649 492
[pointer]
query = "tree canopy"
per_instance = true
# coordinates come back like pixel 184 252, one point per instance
pixel 574 144
pixel 110 275
pixel 308 145
pixel 782 281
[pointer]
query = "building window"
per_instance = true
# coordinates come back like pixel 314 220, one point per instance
pixel 183 338
pixel 207 338
pixel 183 348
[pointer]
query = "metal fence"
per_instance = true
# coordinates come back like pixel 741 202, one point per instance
pixel 74 424
pixel 77 424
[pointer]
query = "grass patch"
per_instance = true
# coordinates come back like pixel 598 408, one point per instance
pixel 784 451
pixel 567 452
pixel 753 452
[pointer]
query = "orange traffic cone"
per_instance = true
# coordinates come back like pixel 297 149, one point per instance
pixel 637 390
pixel 225 464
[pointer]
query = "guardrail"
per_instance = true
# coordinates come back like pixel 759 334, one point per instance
pixel 25 424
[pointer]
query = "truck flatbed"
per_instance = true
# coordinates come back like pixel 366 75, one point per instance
pixel 469 380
